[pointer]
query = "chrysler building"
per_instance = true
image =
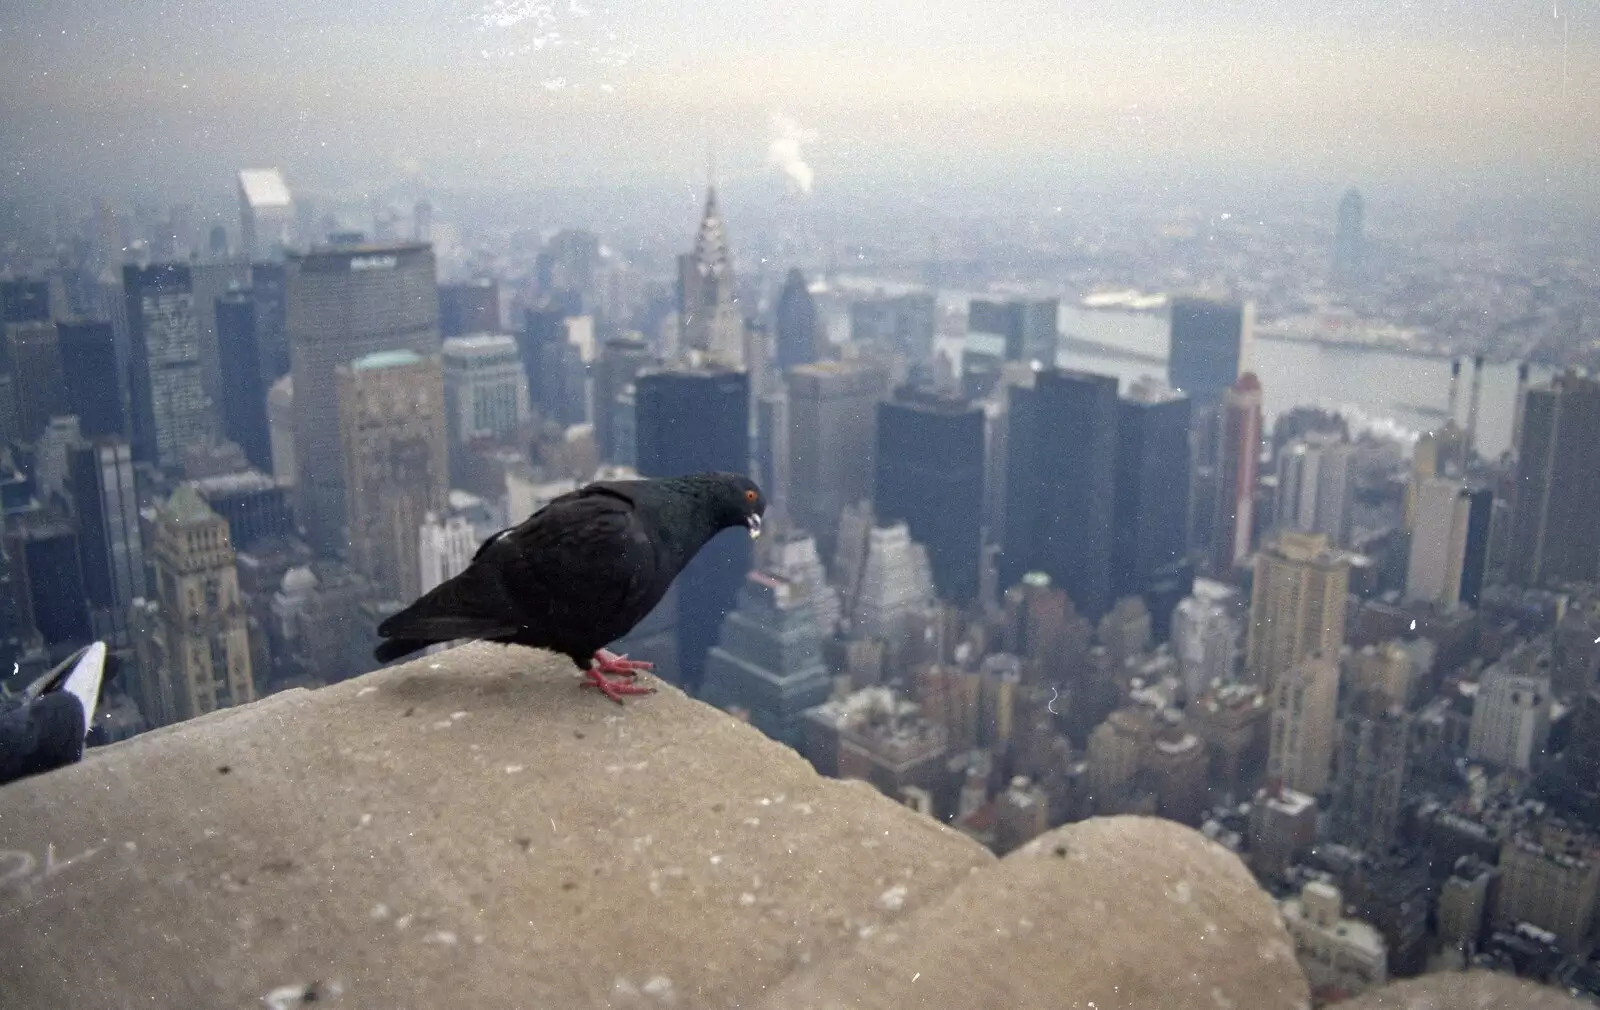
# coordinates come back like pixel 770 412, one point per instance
pixel 708 312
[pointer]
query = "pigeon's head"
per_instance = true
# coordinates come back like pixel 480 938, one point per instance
pixel 737 501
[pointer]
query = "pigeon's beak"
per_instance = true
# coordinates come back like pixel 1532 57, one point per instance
pixel 754 522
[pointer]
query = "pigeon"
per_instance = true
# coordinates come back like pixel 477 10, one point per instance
pixel 580 573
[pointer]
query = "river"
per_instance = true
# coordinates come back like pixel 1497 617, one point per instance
pixel 1390 390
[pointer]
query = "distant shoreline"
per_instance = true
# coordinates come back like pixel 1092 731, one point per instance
pixel 1085 346
pixel 1334 343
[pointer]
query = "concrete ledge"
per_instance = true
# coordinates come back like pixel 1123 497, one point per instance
pixel 1120 912
pixel 472 830
pixel 1472 990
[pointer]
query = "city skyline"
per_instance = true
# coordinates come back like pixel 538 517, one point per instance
pixel 1172 498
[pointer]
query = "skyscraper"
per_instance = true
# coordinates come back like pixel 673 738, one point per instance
pixel 1304 709
pixel 556 352
pixel 832 436
pixel 769 661
pixel 96 388
pixel 708 312
pixel 691 420
pixel 209 282
pixel 345 303
pixel 1316 486
pixel 280 424
pixel 1449 544
pixel 904 323
pixel 1209 341
pixel 892 582
pixel 929 474
pixel 773 460
pixel 266 214
pixel 244 393
pixel 1238 456
pixel 50 471
pixel 799 339
pixel 45 547
pixel 41 391
pixel 1016 330
pixel 1371 765
pixel 1061 485
pixel 1348 241
pixel 111 545
pixel 166 387
pixel 1511 714
pixel 485 389
pixel 1549 879
pixel 620 362
pixel 445 546
pixel 1554 536
pixel 268 286
pixel 192 638
pixel 469 307
pixel 391 422
pixel 1150 521
pixel 255 506
pixel 1297 605
pixel 24 301
pixel 1205 637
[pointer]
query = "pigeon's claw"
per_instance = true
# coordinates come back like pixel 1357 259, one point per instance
pixel 606 662
pixel 621 666
pixel 613 689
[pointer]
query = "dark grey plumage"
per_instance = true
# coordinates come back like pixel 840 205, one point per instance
pixel 581 572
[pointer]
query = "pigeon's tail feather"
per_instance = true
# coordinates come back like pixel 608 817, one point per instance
pixel 445 613
pixel 403 637
pixel 395 648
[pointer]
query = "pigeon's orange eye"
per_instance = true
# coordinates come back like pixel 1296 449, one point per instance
pixel 750 496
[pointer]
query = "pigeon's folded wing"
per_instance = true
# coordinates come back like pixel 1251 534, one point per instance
pixel 583 553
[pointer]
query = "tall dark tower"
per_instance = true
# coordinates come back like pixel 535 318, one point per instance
pixel 1475 551
pixel 1348 239
pixel 1554 537
pixel 1061 485
pixel 35 354
pixel 691 420
pixel 244 390
pixel 96 389
pixel 797 334
pixel 268 285
pixel 929 473
pixel 1208 340
pixel 47 549
pixel 111 545
pixel 1152 491
pixel 24 301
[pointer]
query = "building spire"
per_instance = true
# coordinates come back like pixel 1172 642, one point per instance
pixel 711 175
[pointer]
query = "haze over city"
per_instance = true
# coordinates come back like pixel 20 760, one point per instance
pixel 162 99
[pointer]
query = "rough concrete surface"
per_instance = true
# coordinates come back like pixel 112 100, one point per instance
pixel 469 830
pixel 1472 990
pixel 1113 913
pixel 472 830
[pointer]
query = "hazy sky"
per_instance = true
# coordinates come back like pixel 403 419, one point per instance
pixel 181 93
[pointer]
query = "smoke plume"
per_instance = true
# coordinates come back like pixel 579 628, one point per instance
pixel 785 151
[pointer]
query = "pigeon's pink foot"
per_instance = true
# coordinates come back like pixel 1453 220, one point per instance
pixel 620 666
pixel 606 662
